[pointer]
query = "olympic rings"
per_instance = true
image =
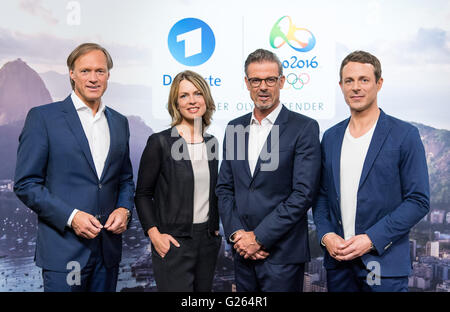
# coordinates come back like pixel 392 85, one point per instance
pixel 297 81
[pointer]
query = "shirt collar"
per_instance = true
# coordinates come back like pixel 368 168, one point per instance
pixel 270 118
pixel 79 104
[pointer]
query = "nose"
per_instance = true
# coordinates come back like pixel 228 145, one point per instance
pixel 192 99
pixel 263 85
pixel 93 76
pixel 356 86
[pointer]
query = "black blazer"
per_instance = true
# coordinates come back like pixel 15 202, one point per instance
pixel 165 186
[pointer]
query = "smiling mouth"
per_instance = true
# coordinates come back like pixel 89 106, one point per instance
pixel 264 97
pixel 193 109
pixel 93 88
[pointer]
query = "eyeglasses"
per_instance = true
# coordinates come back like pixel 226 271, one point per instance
pixel 256 82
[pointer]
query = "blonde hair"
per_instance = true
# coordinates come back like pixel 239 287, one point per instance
pixel 83 49
pixel 201 85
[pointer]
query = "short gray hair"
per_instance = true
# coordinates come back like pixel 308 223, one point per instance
pixel 261 55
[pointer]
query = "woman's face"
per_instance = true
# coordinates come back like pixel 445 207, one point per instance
pixel 191 103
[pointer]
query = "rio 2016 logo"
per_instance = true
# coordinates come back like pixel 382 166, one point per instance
pixel 191 41
pixel 299 39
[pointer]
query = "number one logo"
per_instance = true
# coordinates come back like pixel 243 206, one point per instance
pixel 192 42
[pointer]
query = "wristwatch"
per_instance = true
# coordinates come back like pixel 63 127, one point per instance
pixel 128 215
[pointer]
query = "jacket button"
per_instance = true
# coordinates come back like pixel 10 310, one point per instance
pixel 340 223
pixel 100 186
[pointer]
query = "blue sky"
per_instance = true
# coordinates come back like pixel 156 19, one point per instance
pixel 410 37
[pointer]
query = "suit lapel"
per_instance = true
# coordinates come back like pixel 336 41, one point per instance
pixel 272 140
pixel 112 139
pixel 336 156
pixel 236 147
pixel 71 116
pixel 176 138
pixel 379 136
pixel 212 153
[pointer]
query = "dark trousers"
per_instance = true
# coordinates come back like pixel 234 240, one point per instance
pixel 191 266
pixel 94 277
pixel 261 275
pixel 353 276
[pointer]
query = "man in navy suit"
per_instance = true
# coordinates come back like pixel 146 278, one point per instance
pixel 267 182
pixel 374 188
pixel 73 169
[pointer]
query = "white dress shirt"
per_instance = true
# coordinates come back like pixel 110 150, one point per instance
pixel 353 155
pixel 257 138
pixel 258 135
pixel 96 130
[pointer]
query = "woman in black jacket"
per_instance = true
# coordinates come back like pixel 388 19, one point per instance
pixel 175 197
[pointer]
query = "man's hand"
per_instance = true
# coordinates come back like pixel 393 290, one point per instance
pixel 86 225
pixel 117 221
pixel 334 243
pixel 246 245
pixel 161 242
pixel 259 255
pixel 237 235
pixel 354 247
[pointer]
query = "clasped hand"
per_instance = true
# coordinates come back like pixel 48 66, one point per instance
pixel 350 249
pixel 245 244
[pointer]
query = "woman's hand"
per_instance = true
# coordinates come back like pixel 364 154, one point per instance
pixel 161 242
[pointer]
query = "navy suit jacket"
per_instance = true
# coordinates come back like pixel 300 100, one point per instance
pixel 55 173
pixel 272 203
pixel 393 193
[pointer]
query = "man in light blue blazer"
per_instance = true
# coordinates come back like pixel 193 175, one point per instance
pixel 267 182
pixel 74 170
pixel 374 188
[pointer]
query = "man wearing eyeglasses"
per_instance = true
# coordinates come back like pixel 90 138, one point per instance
pixel 267 182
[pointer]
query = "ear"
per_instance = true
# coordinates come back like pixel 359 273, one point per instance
pixel 71 74
pixel 282 81
pixel 379 84
pixel 249 87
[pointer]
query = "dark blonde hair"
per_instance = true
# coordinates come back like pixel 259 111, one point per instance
pixel 83 49
pixel 364 58
pixel 201 85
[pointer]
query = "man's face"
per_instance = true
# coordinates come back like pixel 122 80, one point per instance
pixel 359 87
pixel 265 97
pixel 90 74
